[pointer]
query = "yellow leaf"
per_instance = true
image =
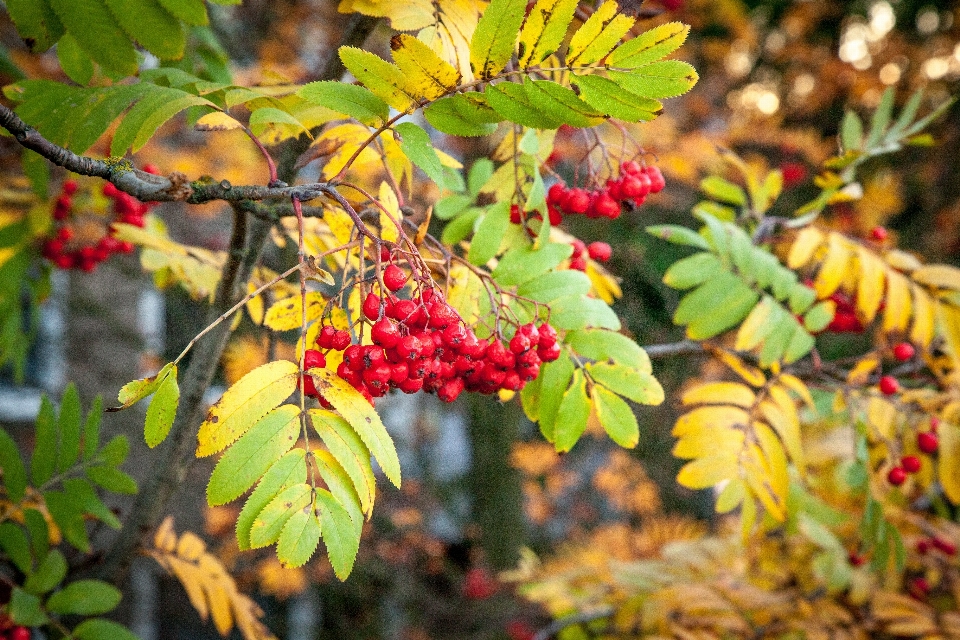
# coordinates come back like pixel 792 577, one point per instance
pixel 834 267
pixel 409 15
pixel 948 466
pixel 464 289
pixel 704 473
pixel 243 404
pixel 870 283
pixel 594 39
pixel 700 443
pixel 710 418
pixel 447 160
pixel 749 373
pixel 254 305
pixel 924 312
pixel 796 385
pixel 217 594
pixel 388 223
pixel 860 373
pixel 287 314
pixel 190 576
pixel 190 547
pixel 543 30
pixel 362 417
pixel 781 413
pixel 949 317
pixel 776 460
pixel 807 242
pixel 881 415
pixel 732 496
pixel 896 314
pixel 605 285
pixel 384 79
pixel 938 276
pixel 756 326
pixel 165 538
pixel 217 121
pixel 427 74
pixel 721 393
pixel 758 479
pixel 902 261
pixel 349 451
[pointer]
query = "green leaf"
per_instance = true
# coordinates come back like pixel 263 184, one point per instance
pixel 572 414
pixel 724 191
pixel 801 343
pixel 525 263
pixel 801 297
pixel 24 609
pixel 615 417
pixel 115 452
pixel 610 98
pixel 112 479
pixel 162 410
pixel 97 33
pixel 341 486
pixel 881 118
pixel 463 114
pixel 253 454
pixel 69 428
pixel 135 391
pixel 715 306
pixel 289 470
pixel 14 472
pixel 91 429
pixel 68 516
pixel 100 111
pixel 451 206
pixel 44 460
pixel 384 79
pixel 489 235
pixel 85 598
pixel 649 46
pixel 666 79
pixel 460 227
pixel 82 495
pixel 362 417
pixel 14 543
pixel 151 25
pixel 819 316
pixel 480 173
pixel 580 312
pixel 530 398
pixel 36 23
pixel 267 120
pixel 601 345
pixel 100 629
pixel 143 120
pixel 299 538
pixel 74 62
pixel 692 271
pixel 50 572
pixel 555 284
pixel 555 378
pixel 415 144
pixel 906 116
pixel 193 12
pixel 491 46
pixel 349 99
pixel 851 132
pixel 340 537
pixel 628 382
pixel 544 29
pixel 513 103
pixel 269 523
pixel 350 453
pixel 36 525
pixel 676 234
pixel 598 35
pixel 560 103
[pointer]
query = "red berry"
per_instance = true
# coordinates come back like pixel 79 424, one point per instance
pixel 408 348
pixel 549 353
pixel 605 206
pixel 478 584
pixel 309 387
pixel 927 442
pixel 70 187
pixel 578 201
pixel 511 381
pixel 19 633
pixel 371 306
pixel 325 339
pixel 856 559
pixel 394 277
pixel 520 343
pixel 151 168
pixel 450 389
pixel 557 194
pixel 411 385
pixel 633 187
pixel 385 333
pixel 614 189
pixel 918 588
pixel 313 359
pixel 945 546
pixel 657 182
pixel 599 251
pixel 353 357
pixel 631 167
pixel 547 335
pixel 904 351
pixel 934 423
pixel 110 190
pixel 578 263
pixel 889 385
pixel 555 215
pixel 910 464
pixel 897 476
pixel 879 234
pixel 341 340
pixel 923 546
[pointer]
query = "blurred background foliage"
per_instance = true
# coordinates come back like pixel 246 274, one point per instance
pixel 775 78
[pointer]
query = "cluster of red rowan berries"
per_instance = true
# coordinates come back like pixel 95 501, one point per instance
pixel 902 352
pixel 422 344
pixel 635 183
pixel 928 443
pixel 925 545
pixel 65 250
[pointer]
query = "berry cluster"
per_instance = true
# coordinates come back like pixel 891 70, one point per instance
pixel 927 442
pixel 634 184
pixel 599 251
pixel 421 344
pixel 67 250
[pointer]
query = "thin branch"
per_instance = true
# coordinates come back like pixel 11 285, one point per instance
pixel 670 349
